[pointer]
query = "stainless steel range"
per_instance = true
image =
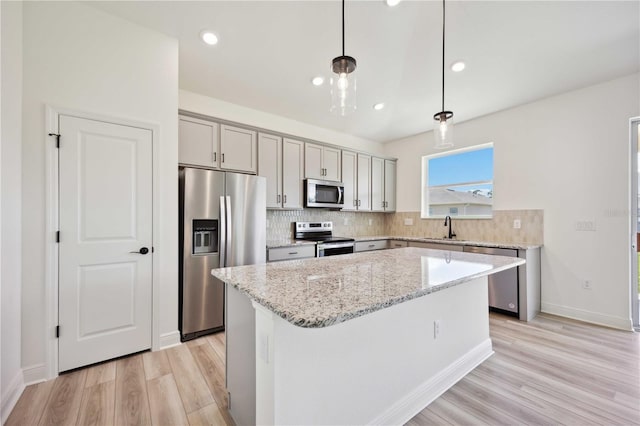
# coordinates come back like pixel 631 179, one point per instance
pixel 322 233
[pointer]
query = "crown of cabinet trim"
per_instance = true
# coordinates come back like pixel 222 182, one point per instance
pixel 194 115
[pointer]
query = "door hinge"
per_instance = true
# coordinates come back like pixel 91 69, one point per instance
pixel 57 139
pixel 57 331
pixel 57 236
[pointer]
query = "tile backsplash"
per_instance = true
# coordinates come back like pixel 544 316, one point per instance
pixel 498 229
pixel 345 224
pixel 360 224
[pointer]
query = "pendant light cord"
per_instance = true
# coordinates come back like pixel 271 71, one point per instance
pixel 342 27
pixel 443 20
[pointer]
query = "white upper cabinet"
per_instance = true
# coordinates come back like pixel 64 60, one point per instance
pixel 377 184
pixel 270 167
pixel 280 161
pixel 350 179
pixel 322 162
pixel 238 149
pixel 332 162
pixel 390 185
pixel 364 182
pixel 293 173
pixel 198 142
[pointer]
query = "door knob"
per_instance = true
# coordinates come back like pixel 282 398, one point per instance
pixel 143 250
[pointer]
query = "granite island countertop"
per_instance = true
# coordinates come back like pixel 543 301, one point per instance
pixel 320 292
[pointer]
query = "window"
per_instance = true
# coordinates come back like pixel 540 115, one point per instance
pixel 458 183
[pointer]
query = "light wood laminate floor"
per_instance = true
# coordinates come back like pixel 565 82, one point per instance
pixel 548 371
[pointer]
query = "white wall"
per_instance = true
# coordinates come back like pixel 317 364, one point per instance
pixel 11 106
pixel 201 104
pixel 80 58
pixel 568 155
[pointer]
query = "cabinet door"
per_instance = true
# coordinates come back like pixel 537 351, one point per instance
pixel 197 142
pixel 390 185
pixel 238 149
pixel 364 182
pixel 349 179
pixel 331 161
pixel 292 173
pixel 436 246
pixel 313 161
pixel 270 166
pixel 377 184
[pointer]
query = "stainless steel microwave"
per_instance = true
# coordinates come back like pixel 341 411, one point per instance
pixel 323 193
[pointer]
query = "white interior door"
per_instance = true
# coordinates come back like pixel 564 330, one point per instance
pixel 105 271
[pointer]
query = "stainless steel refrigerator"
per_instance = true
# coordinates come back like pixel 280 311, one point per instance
pixel 222 223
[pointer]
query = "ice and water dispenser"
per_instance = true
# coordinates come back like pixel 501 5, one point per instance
pixel 205 236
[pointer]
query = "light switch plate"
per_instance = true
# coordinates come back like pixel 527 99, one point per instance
pixel 516 224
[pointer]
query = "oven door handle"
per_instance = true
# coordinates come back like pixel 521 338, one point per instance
pixel 334 245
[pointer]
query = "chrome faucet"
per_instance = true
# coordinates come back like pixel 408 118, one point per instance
pixel 447 221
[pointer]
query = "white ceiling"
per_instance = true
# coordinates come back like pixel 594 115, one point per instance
pixel 515 51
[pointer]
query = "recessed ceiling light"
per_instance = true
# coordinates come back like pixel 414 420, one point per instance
pixel 457 66
pixel 317 81
pixel 392 3
pixel 209 38
pixel 378 106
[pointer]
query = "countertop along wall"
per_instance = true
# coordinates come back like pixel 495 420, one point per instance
pixel 80 58
pixel 569 156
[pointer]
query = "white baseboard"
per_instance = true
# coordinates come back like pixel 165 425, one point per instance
pixel 10 395
pixel 403 410
pixel 35 374
pixel 169 340
pixel 588 316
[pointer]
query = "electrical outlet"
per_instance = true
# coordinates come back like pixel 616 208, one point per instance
pixel 516 224
pixel 586 225
pixel 346 222
pixel 408 222
pixel 436 329
pixel 370 222
pixel 587 284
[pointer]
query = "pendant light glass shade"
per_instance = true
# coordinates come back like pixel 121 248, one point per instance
pixel 443 129
pixel 343 81
pixel 343 85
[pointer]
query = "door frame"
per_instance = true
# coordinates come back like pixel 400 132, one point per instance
pixel 634 149
pixel 52 114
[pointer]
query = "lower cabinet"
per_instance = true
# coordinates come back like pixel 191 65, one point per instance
pixel 371 245
pixel 290 253
pixel 397 244
pixel 437 246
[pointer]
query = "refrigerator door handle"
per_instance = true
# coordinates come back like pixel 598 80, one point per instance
pixel 223 233
pixel 229 228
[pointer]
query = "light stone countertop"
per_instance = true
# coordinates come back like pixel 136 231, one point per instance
pixel 320 292
pixel 521 246
pixel 288 242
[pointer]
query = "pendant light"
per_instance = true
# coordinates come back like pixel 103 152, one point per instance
pixel 343 83
pixel 443 119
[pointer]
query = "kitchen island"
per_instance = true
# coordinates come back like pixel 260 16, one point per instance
pixel 365 338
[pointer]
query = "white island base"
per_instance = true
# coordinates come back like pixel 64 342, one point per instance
pixel 380 368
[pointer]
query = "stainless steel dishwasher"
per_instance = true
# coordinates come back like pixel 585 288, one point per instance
pixel 503 286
